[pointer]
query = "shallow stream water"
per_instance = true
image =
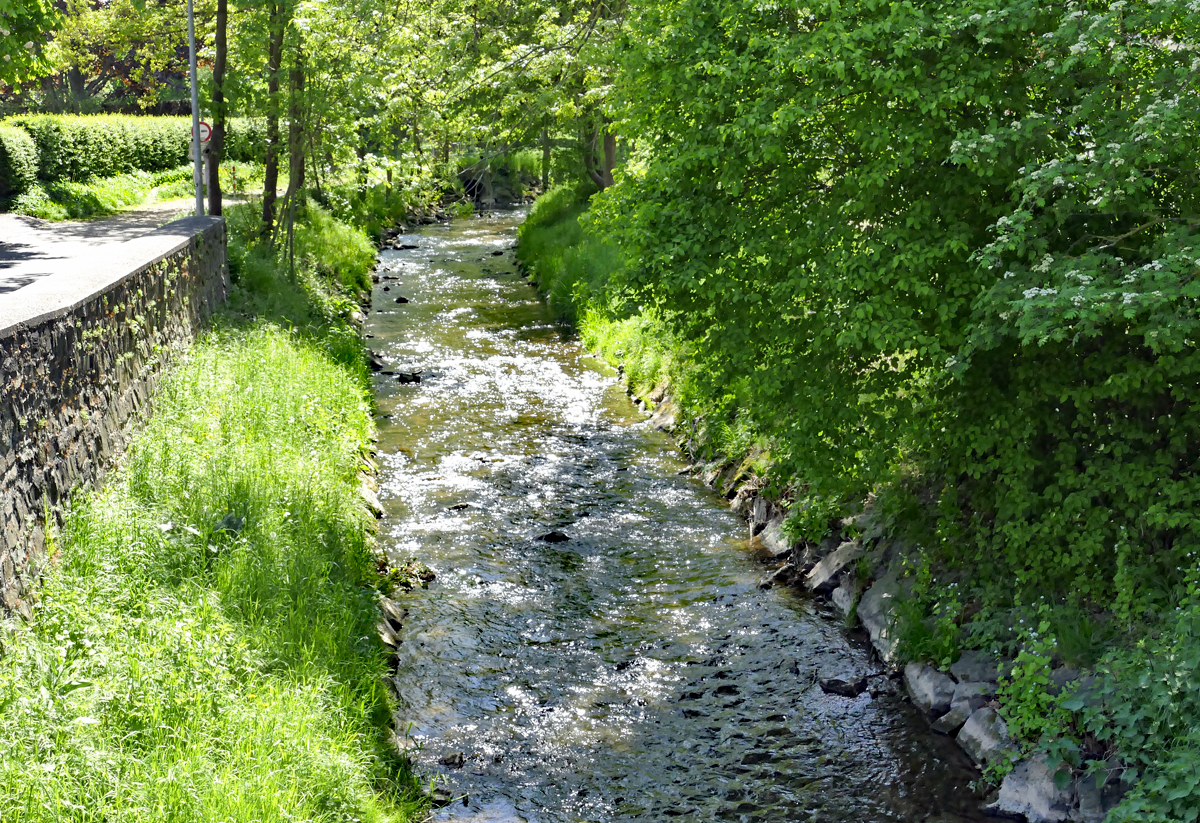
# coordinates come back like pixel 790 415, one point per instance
pixel 635 671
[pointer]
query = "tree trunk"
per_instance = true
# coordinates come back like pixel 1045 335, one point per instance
pixel 610 157
pixel 545 159
pixel 601 175
pixel 296 126
pixel 77 83
pixel 216 145
pixel 274 67
pixel 589 158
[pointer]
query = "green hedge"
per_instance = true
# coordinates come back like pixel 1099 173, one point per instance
pixel 82 147
pixel 246 140
pixel 18 160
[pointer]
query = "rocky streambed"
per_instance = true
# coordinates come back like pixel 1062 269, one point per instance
pixel 598 643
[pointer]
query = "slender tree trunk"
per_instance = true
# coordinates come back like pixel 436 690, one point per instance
pixel 589 158
pixel 545 159
pixel 216 145
pixel 274 67
pixel 296 126
pixel 610 157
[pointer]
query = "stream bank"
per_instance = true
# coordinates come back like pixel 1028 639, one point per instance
pixel 596 644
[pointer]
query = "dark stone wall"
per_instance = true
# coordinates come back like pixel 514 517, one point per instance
pixel 76 380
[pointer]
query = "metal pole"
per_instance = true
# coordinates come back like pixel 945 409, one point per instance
pixel 196 176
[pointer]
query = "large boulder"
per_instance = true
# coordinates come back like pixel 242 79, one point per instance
pixel 967 698
pixel 774 540
pixel 1029 791
pixel 976 666
pixel 876 610
pixel 823 576
pixel 985 737
pixel 930 690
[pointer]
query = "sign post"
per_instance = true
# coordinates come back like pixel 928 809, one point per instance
pixel 196 175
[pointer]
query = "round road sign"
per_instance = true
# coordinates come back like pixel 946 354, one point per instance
pixel 205 132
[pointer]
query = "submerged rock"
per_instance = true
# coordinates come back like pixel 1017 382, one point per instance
pixel 844 685
pixel 782 576
pixel 555 536
pixel 455 760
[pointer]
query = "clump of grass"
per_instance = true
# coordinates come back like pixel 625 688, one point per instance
pixel 109 195
pixel 204 648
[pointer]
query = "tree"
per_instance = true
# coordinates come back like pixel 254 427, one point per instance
pixel 23 25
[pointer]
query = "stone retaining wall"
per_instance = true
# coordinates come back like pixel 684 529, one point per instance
pixel 81 354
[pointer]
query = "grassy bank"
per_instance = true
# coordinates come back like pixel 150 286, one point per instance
pixel 1136 713
pixel 580 274
pixel 203 648
pixel 102 196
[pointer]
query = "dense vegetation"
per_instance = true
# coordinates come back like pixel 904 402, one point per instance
pixel 938 255
pixel 944 255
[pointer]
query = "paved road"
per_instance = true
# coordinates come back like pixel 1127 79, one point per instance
pixel 31 249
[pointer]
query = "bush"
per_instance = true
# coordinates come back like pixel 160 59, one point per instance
pixel 18 160
pixel 78 148
pixel 246 140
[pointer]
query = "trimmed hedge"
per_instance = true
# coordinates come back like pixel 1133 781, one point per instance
pixel 246 140
pixel 18 160
pixel 78 148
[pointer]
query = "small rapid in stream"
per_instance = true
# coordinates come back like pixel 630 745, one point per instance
pixel 634 671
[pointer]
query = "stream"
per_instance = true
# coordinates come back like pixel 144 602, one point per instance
pixel 634 671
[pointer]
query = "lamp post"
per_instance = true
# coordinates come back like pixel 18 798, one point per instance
pixel 196 160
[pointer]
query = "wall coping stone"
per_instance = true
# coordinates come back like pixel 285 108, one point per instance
pixel 49 298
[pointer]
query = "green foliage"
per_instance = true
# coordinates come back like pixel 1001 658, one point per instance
pixel 927 618
pixel 18 160
pixel 198 652
pixel 335 250
pixel 384 193
pixel 948 240
pixel 98 197
pixel 23 27
pixel 1148 708
pixel 1074 399
pixel 580 273
pixel 245 139
pixel 572 267
pixel 79 148
pixel 333 264
pixel 1030 710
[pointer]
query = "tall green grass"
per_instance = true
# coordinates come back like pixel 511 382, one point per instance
pixel 203 648
pixel 102 196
